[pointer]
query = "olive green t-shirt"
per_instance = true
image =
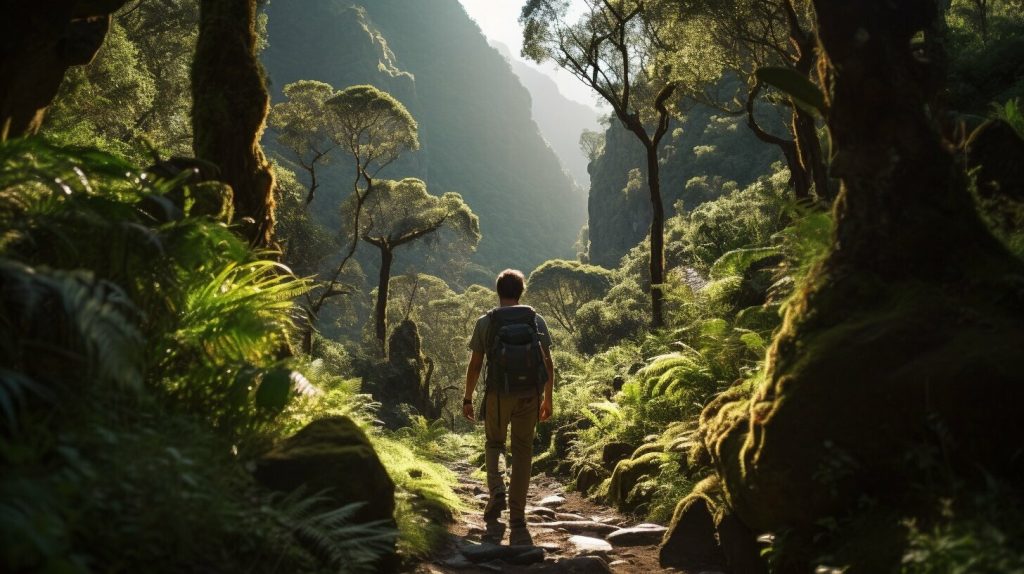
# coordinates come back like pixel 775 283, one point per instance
pixel 478 344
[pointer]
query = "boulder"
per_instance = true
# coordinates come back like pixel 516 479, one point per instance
pixel 613 452
pixel 589 478
pixel 739 545
pixel 622 487
pixel 690 541
pixel 331 455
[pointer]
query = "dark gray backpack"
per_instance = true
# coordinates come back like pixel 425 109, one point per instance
pixel 515 356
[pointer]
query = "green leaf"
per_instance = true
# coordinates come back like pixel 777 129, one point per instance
pixel 274 390
pixel 803 92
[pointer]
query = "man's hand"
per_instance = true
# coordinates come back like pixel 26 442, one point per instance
pixel 545 409
pixel 467 411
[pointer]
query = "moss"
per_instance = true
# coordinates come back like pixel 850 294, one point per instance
pixel 829 426
pixel 648 448
pixel 425 501
pixel 627 475
pixel 333 455
pixel 230 106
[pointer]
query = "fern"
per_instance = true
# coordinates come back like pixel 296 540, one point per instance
pixel 67 326
pixel 333 535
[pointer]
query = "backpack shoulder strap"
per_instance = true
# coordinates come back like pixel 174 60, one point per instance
pixel 492 330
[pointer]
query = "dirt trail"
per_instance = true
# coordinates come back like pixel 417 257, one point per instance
pixel 570 534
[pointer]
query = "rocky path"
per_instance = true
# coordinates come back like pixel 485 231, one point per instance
pixel 570 534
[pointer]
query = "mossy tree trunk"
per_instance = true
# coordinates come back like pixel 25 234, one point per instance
pixel 39 41
pixel 229 110
pixel 907 335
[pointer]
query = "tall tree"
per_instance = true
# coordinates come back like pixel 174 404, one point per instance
pixel 912 309
pixel 712 39
pixel 373 129
pixel 401 212
pixel 609 49
pixel 38 43
pixel 306 128
pixel 229 107
pixel 559 288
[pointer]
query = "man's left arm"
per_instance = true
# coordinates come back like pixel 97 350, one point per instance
pixel 546 406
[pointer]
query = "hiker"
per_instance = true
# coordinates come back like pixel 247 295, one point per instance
pixel 517 390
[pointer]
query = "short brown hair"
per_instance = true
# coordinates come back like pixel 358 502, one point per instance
pixel 511 284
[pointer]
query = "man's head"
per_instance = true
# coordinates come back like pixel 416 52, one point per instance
pixel 510 285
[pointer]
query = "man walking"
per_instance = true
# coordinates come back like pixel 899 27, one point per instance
pixel 517 390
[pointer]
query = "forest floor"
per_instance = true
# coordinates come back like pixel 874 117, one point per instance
pixel 570 534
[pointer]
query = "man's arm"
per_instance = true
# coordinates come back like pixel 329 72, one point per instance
pixel 546 406
pixel 476 361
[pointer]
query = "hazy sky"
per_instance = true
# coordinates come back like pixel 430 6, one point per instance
pixel 499 20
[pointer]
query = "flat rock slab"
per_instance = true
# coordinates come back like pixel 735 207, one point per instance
pixel 553 501
pixel 567 516
pixel 458 562
pixel 486 552
pixel 640 535
pixel 547 513
pixel 588 545
pixel 583 526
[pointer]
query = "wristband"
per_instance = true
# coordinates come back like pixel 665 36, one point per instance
pixel 467 401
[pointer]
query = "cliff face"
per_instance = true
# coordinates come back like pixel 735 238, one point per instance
pixel 477 134
pixel 560 119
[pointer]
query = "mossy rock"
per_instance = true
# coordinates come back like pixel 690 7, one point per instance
pixel 647 449
pixel 691 542
pixel 332 455
pixel 848 401
pixel 627 475
pixel 613 452
pixel 589 477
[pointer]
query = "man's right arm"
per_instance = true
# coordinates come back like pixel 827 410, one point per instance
pixel 476 361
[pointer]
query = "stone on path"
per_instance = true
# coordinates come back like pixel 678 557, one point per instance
pixel 639 535
pixel 486 552
pixel 458 562
pixel 553 501
pixel 586 545
pixel 577 526
pixel 567 516
pixel 541 511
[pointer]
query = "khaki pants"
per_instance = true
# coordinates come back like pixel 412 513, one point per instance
pixel 521 412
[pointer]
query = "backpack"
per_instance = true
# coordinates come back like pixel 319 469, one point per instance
pixel 515 357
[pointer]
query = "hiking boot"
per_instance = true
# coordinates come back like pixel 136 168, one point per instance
pixel 519 534
pixel 495 504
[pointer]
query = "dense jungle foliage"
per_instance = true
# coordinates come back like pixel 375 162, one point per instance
pixel 236 285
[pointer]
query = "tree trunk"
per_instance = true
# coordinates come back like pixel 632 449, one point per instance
pixel 387 257
pixel 229 109
pixel 39 41
pixel 798 177
pixel 657 263
pixel 913 309
pixel 808 150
